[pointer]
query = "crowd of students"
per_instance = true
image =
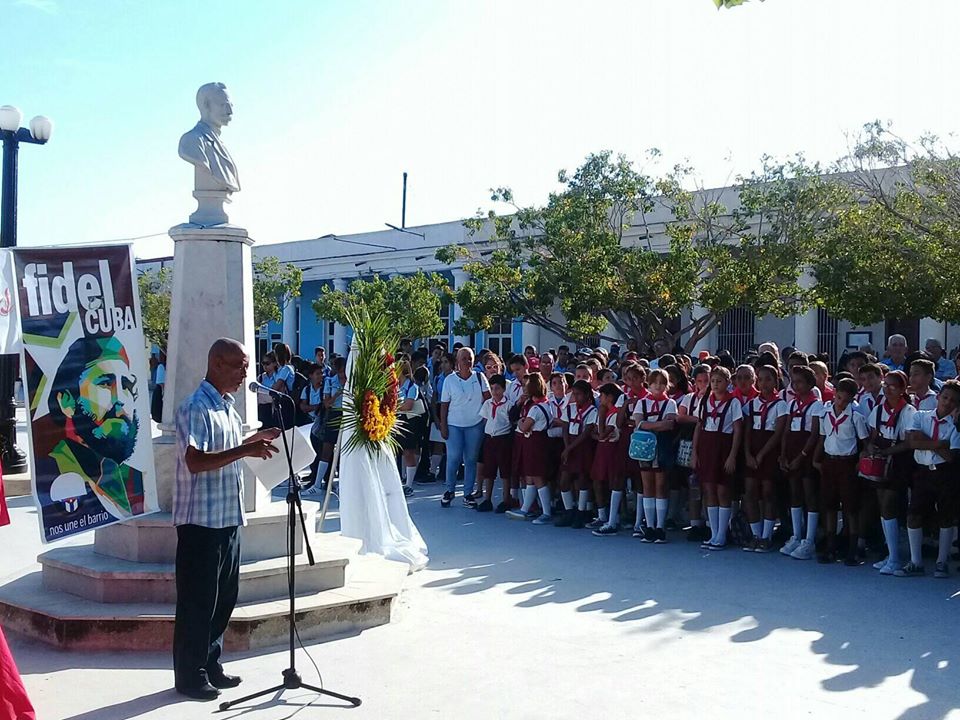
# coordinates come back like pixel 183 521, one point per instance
pixel 771 454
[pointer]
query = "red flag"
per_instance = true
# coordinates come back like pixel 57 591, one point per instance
pixel 14 703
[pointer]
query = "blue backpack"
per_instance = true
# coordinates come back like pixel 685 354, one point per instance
pixel 643 443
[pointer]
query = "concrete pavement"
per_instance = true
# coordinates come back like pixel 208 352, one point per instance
pixel 516 621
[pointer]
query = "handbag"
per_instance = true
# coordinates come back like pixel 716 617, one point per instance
pixel 643 446
pixel 684 453
pixel 873 467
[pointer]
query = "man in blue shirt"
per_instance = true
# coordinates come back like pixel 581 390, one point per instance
pixel 208 513
pixel 896 352
pixel 946 369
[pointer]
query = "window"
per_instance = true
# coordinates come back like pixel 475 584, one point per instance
pixel 736 332
pixel 500 337
pixel 444 335
pixel 331 328
pixel 827 327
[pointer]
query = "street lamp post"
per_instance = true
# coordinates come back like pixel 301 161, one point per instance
pixel 13 458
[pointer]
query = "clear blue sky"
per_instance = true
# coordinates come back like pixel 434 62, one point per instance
pixel 334 100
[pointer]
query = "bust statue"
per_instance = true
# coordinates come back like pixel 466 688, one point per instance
pixel 215 174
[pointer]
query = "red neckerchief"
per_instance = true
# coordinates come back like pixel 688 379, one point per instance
pixel 714 409
pixel 744 399
pixel 529 406
pixel 836 422
pixel 676 395
pixel 765 406
pixel 800 404
pixel 581 414
pixel 655 410
pixel 917 399
pixel 494 404
pixel 937 421
pixel 558 404
pixel 893 414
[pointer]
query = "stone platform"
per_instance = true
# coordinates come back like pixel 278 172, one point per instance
pixel 16 485
pixel 119 593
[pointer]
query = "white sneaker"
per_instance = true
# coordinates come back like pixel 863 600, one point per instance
pixel 544 520
pixel 792 544
pixel 312 491
pixel 880 565
pixel 804 552
pixel 890 568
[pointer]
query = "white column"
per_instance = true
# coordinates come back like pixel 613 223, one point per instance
pixel 930 328
pixel 530 335
pixel 340 331
pixel 709 341
pixel 290 325
pixel 805 324
pixel 460 276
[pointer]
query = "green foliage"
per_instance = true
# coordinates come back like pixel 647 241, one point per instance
pixel 747 247
pixel 275 283
pixel 411 303
pixel 154 291
pixel 729 3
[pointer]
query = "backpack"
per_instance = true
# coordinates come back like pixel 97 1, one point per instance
pixel 300 381
pixel 739 533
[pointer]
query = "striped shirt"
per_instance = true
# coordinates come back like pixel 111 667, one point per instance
pixel 207 421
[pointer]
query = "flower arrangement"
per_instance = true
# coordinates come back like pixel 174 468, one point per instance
pixel 370 405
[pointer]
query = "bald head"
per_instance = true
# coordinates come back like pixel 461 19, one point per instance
pixel 227 363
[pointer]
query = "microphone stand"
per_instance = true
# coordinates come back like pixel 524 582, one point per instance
pixel 291 678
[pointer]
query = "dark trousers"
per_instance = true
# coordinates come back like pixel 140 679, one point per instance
pixel 208 580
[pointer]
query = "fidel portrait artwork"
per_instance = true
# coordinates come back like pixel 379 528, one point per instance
pixel 86 388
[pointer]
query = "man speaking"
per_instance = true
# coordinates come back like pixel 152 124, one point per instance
pixel 208 513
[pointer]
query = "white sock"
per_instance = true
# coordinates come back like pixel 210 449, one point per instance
pixel 411 474
pixel 796 516
pixel 544 494
pixel 515 493
pixel 650 511
pixel 529 495
pixel 582 499
pixel 756 528
pixel 322 470
pixel 946 540
pixel 615 497
pixel 812 520
pixel 567 497
pixel 662 505
pixel 724 522
pixel 604 514
pixel 915 536
pixel 435 464
pixel 768 526
pixel 713 514
pixel 639 521
pixel 891 531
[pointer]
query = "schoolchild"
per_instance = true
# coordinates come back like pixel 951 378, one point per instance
pixel 580 418
pixel 657 413
pixel 531 448
pixel 497 444
pixel 607 469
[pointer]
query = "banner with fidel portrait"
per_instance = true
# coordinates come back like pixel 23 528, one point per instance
pixel 85 384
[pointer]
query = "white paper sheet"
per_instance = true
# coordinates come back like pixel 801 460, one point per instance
pixel 272 472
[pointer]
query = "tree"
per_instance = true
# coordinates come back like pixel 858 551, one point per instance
pixel 570 268
pixel 275 284
pixel 892 250
pixel 154 290
pixel 411 302
pixel 729 3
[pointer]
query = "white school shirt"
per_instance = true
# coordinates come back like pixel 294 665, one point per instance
pixel 611 422
pixel 710 414
pixel 927 402
pixel 556 413
pixel 775 409
pixel 924 422
pixel 312 396
pixel 465 397
pixel 789 395
pixel 867 402
pixel 514 391
pixel 540 414
pixel 575 422
pixel 841 432
pixel 904 422
pixel 801 420
pixel 648 410
pixel 691 403
pixel 497 416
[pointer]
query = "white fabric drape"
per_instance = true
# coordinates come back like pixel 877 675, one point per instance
pixel 373 508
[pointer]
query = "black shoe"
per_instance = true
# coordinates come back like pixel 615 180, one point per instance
pixel 649 535
pixel 671 525
pixel 470 502
pixel 485 506
pixel 472 497
pixel 565 519
pixel 407 491
pixel 446 499
pixel 502 507
pixel 199 692
pixel 223 681
pixel 580 520
pixel 661 536
pixel 827 558
pixel 852 561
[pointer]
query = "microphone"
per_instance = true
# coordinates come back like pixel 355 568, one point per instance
pixel 256 387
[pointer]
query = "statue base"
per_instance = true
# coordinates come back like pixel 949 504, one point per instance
pixel 210 210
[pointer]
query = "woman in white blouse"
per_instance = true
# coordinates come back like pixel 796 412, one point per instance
pixel 461 426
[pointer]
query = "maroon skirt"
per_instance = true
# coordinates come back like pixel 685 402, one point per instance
pixel 839 484
pixel 629 467
pixel 532 452
pixel 713 449
pixel 771 461
pixel 606 462
pixel 554 449
pixel 580 459
pixel 796 442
